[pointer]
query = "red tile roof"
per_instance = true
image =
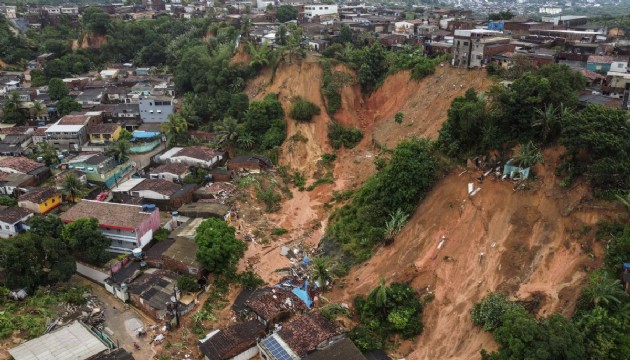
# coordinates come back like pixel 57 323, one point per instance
pixel 20 164
pixel 11 215
pixel 171 168
pixel 270 303
pixel 198 152
pixel 73 120
pixel 112 214
pixel 305 332
pixel 233 340
pixel 38 195
pixel 160 186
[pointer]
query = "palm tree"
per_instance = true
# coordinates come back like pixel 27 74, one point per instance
pixel 545 119
pixel 625 200
pixel 228 131
pixel 281 35
pixel 246 141
pixel 380 296
pixel 395 223
pixel 603 291
pixel 259 56
pixel 48 152
pixel 246 27
pixel 528 156
pixel 176 124
pixel 320 273
pixel 119 149
pixel 71 187
pixel 38 108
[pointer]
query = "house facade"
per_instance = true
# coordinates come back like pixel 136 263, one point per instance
pixel 70 132
pixel 193 156
pixel 13 221
pixel 40 200
pixel 104 133
pixel 128 226
pixel 156 109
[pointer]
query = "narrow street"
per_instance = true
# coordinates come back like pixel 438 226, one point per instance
pixel 122 322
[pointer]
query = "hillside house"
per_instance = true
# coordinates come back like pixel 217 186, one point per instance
pixel 238 341
pixel 167 195
pixel 274 305
pixel 40 200
pixel 26 166
pixel 156 109
pixel 252 163
pixel 200 156
pixel 299 337
pixel 171 172
pixel 599 64
pixel 13 221
pixel 129 226
pixel 71 131
pixel 104 133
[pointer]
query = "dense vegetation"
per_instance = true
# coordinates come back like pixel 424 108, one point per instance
pixel 218 250
pixel 359 225
pixel 303 110
pixel 506 115
pixel 387 311
pixel 47 252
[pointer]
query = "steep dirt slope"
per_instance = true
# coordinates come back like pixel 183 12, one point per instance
pixel 424 104
pixel 532 244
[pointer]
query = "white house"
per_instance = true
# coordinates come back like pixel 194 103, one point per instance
pixel 311 10
pixel 153 189
pixel 193 156
pixel 12 221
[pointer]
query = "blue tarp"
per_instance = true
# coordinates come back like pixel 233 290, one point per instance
pixel 626 266
pixel 145 134
pixel 306 261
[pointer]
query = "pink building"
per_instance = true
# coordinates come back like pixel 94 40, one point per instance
pixel 129 226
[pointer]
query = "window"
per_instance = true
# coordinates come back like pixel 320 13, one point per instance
pixel 6 227
pixel 465 43
pixel 53 200
pixel 46 203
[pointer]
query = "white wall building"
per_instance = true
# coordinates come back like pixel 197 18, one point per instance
pixel 312 10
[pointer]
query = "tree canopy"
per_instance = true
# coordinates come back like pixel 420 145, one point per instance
pixel 218 250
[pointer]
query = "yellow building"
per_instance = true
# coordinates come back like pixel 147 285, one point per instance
pixel 104 133
pixel 40 200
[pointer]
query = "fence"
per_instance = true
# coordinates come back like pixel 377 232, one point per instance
pixel 145 147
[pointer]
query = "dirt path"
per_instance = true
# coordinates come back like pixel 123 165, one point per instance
pixel 123 321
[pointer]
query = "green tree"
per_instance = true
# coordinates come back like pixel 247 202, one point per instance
pixel 303 110
pixel 548 121
pixel 488 313
pixel 228 131
pixel 96 20
pixel 259 55
pixel 286 13
pixel 175 125
pixel 67 105
pixel 603 291
pixel 218 250
pixel 86 240
pixel 57 90
pixel 320 273
pixel 528 155
pixel 38 109
pixel 187 283
pixel 598 143
pixel 48 152
pixel 380 296
pixel 72 188
pixel 120 150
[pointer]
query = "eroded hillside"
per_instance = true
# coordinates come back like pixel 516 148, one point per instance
pixel 533 241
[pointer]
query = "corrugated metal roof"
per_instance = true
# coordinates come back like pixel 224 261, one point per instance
pixel 71 342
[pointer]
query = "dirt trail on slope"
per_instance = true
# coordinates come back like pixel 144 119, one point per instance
pixel 532 243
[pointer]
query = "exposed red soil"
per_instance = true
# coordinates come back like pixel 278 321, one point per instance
pixel 530 241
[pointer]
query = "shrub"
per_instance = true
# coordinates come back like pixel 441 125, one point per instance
pixel 279 231
pixel 303 110
pixel 328 159
pixel 342 136
pixel 7 201
pixel 187 283
pixel 250 280
pixel 489 312
pixel 271 199
pixel 161 235
pixel 399 117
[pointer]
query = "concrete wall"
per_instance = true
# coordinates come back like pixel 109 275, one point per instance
pixel 92 273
